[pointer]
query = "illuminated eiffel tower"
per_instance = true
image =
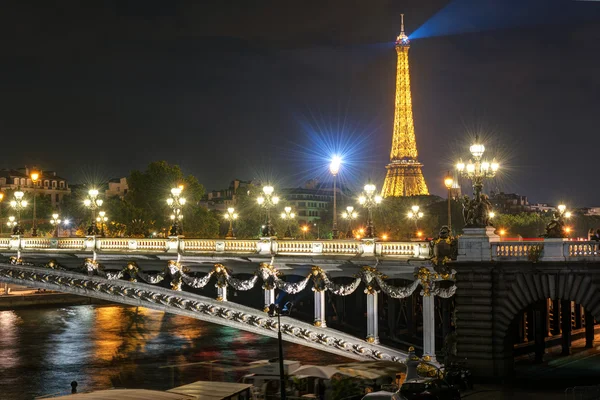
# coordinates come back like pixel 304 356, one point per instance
pixel 404 176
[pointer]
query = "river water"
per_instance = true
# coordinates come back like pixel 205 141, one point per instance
pixel 43 350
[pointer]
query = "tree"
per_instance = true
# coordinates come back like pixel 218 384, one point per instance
pixel 527 225
pixel 390 217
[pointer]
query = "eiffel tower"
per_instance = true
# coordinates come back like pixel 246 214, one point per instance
pixel 404 176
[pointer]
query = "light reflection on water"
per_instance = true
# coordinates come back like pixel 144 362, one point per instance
pixel 43 350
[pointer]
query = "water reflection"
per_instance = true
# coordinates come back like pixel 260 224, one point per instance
pixel 42 351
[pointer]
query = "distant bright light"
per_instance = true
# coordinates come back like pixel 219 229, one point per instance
pixel 334 167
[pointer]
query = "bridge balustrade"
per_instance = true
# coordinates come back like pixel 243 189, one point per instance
pixel 545 250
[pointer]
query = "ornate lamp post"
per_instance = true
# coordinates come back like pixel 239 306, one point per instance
pixel 334 168
pixel 288 215
pixel 102 219
pixel 18 204
pixel 274 310
pixel 93 203
pixel 369 200
pixel 35 176
pixel 267 201
pixel 176 202
pixel 55 221
pixel 350 215
pixel 11 223
pixel 230 215
pixel 448 182
pixel 477 169
pixel 415 215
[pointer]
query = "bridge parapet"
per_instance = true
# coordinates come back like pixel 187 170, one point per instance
pixel 546 250
pixel 265 246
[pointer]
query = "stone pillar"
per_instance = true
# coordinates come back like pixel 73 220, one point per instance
pixel 411 324
pixel 372 316
pixel 539 330
pixel 429 326
pixel 222 293
pixel 565 308
pixel 589 329
pixel 556 324
pixel 319 319
pixel 269 298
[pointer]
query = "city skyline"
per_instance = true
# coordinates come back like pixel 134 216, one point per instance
pixel 204 89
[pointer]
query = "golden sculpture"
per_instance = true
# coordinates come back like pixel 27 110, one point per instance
pixel 404 176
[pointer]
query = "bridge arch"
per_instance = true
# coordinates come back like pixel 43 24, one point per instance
pixel 199 307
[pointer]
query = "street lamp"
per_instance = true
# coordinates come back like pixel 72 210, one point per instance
pixel 369 200
pixel 267 201
pixel 448 182
pixel 334 168
pixel 18 204
pixel 350 215
pixel 176 202
pixel 304 230
pixel 102 218
pixel 230 215
pixel 93 203
pixel 35 176
pixel 11 223
pixel 55 221
pixel 288 215
pixel 415 215
pixel 274 310
pixel 477 170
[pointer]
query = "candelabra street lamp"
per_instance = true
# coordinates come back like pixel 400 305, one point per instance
pixel 230 215
pixel 369 200
pixel 289 216
pixel 415 215
pixel 349 215
pixel 334 168
pixel 267 201
pixel 448 182
pixel 176 202
pixel 274 310
pixel 477 210
pixel 12 224
pixel 35 176
pixel 102 219
pixel 18 204
pixel 55 221
pixel 93 203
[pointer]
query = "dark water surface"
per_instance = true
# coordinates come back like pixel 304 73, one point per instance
pixel 43 350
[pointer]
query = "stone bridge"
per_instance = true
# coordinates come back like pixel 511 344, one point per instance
pixel 127 271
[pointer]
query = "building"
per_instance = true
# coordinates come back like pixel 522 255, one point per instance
pixel 509 203
pixel 404 176
pixel 314 199
pixel 117 187
pixel 220 200
pixel 48 184
pixel 542 207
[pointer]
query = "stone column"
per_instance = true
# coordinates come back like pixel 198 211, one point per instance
pixel 372 316
pixel 565 309
pixel 429 326
pixel 589 329
pixel 556 325
pixel 269 298
pixel 222 293
pixel 411 324
pixel 319 316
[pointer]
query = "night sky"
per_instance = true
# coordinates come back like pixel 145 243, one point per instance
pixel 267 89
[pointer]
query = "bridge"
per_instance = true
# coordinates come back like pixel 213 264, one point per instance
pixel 504 292
pixel 130 271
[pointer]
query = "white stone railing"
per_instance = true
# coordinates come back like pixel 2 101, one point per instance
pixel 551 250
pixel 209 246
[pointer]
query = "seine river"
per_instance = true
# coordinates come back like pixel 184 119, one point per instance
pixel 43 350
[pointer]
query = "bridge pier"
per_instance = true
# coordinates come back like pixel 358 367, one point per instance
pixel 372 317
pixel 319 319
pixel 589 329
pixel 565 309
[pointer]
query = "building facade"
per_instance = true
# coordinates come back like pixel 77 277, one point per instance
pixel 49 183
pixel 117 187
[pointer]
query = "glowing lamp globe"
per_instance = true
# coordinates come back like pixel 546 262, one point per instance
pixel 448 182
pixel 87 202
pixel 260 200
pixel 35 176
pixel 99 202
pixel 334 167
pixel 19 195
pixel 170 201
pixel 477 150
pixel 369 188
pixel 176 191
pixel 268 190
pixel 275 199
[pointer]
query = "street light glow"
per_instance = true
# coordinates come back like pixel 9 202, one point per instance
pixel 334 167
